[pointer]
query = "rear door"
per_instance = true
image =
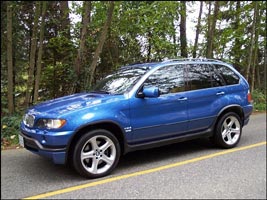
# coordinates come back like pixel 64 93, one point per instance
pixel 206 95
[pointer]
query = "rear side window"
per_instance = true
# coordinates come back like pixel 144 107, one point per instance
pixel 198 76
pixel 216 78
pixel 228 75
pixel 201 76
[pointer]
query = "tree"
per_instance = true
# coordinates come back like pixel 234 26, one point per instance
pixel 183 29
pixel 65 27
pixel 80 55
pixel 198 29
pixel 10 59
pixel 211 29
pixel 58 74
pixel 40 53
pixel 255 55
pixel 65 20
pixel 32 56
pixel 237 44
pixel 252 38
pixel 140 31
pixel 100 44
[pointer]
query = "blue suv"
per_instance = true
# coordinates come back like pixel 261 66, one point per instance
pixel 140 106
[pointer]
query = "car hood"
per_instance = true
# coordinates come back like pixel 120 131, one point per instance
pixel 63 105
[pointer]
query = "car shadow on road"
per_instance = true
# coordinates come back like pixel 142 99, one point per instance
pixel 133 161
pixel 165 153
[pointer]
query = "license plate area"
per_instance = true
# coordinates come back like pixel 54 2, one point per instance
pixel 21 141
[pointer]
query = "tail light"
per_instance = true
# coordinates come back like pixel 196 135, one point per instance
pixel 249 97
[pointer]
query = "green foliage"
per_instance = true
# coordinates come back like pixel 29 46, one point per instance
pixel 57 80
pixel 259 100
pixel 146 30
pixel 9 130
pixel 60 46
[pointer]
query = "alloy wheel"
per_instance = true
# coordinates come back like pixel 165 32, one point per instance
pixel 98 154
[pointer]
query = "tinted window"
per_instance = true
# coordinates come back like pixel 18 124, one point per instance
pixel 198 76
pixel 169 79
pixel 120 81
pixel 216 78
pixel 228 75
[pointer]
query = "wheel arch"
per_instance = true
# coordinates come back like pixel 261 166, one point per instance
pixel 111 126
pixel 217 137
pixel 231 108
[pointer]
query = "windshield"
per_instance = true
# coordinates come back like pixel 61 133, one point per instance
pixel 121 81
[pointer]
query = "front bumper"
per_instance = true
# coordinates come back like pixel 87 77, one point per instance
pixel 58 155
pixel 52 145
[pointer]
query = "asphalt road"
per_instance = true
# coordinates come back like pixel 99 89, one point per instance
pixel 194 169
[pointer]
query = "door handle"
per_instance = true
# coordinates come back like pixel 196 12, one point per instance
pixel 182 99
pixel 220 93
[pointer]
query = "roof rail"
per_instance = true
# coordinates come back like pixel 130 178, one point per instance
pixel 191 59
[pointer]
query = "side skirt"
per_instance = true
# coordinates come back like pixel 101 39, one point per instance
pixel 167 141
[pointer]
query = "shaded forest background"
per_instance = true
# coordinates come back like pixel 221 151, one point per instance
pixel 45 54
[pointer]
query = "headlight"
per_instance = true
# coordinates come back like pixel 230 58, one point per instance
pixel 50 123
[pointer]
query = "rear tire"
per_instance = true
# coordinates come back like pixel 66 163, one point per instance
pixel 96 154
pixel 228 130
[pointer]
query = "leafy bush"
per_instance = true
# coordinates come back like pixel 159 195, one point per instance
pixel 9 130
pixel 259 100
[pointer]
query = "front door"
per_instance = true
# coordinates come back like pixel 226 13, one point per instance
pixel 164 116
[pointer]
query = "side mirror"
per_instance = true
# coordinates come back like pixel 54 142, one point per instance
pixel 149 92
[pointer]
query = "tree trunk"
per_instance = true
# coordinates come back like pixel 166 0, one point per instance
pixel 40 54
pixel 32 56
pixel 237 44
pixel 251 41
pixel 100 44
pixel 209 28
pixel 198 30
pixel 212 31
pixel 10 59
pixel 183 30
pixel 65 20
pixel 85 23
pixel 80 56
pixel 255 56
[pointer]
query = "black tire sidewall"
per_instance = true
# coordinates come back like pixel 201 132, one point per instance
pixel 218 135
pixel 78 148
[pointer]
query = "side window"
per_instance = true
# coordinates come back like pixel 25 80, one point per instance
pixel 216 78
pixel 169 79
pixel 228 75
pixel 198 76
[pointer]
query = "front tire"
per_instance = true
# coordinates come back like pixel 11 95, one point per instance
pixel 96 154
pixel 228 130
